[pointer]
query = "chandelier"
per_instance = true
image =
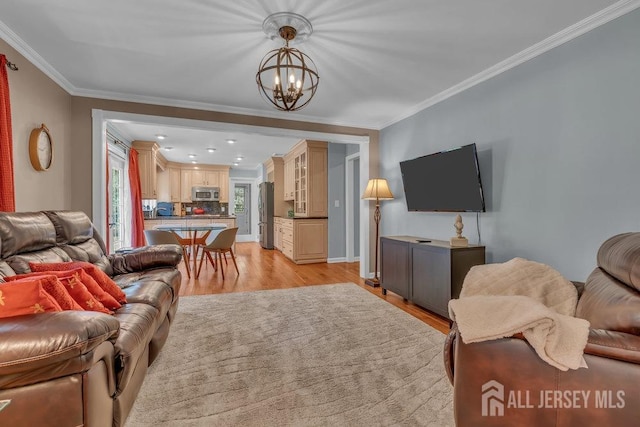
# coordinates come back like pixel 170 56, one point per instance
pixel 287 78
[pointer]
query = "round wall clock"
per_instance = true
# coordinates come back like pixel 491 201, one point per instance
pixel 41 148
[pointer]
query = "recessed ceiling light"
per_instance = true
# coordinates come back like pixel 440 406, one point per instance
pixel 211 150
pixel 167 148
pixel 236 164
pixel 159 136
pixel 231 141
pixel 194 162
pixel 192 156
pixel 239 158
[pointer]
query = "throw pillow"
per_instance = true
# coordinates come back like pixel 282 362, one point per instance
pixel 103 279
pixel 95 289
pixel 26 297
pixel 78 291
pixel 53 286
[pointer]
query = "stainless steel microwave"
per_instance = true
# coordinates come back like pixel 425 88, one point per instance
pixel 205 194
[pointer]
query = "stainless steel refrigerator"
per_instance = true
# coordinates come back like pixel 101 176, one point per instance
pixel 265 212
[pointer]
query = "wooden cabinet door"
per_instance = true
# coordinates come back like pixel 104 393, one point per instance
pixel 288 179
pixel 223 184
pixel 198 178
pixel 310 240
pixel 431 277
pixel 185 184
pixel 163 186
pixel 212 178
pixel 300 184
pixel 149 224
pixel 317 184
pixel 147 169
pixel 277 236
pixel 175 190
pixel 394 266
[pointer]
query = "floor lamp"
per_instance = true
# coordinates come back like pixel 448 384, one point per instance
pixel 377 189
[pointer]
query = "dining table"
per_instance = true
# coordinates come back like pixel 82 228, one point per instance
pixel 192 233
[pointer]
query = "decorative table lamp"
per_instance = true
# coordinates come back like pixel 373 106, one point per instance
pixel 377 189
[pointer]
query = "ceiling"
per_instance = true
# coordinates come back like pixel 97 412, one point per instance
pixel 187 144
pixel 379 61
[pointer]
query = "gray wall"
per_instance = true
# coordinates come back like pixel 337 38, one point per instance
pixel 336 183
pixel 559 143
pixel 245 173
pixel 352 149
pixel 356 202
pixel 337 220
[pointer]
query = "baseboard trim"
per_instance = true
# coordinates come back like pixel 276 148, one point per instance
pixel 336 260
pixel 246 238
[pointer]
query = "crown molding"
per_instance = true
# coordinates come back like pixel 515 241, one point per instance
pixel 606 15
pixel 195 105
pixel 32 56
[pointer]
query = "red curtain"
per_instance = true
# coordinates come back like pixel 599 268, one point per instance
pixel 137 217
pixel 7 190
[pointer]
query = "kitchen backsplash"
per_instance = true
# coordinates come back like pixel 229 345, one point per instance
pixel 210 208
pixel 149 208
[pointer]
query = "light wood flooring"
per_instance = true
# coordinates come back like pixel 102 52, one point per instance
pixel 268 269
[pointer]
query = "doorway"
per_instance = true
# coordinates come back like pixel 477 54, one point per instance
pixel 100 118
pixel 118 225
pixel 242 207
pixel 352 206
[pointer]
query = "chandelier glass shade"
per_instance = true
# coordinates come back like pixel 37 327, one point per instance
pixel 287 78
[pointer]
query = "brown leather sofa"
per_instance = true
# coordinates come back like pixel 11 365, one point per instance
pixel 528 392
pixel 76 368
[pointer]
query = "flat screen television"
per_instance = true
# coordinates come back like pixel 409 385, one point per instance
pixel 448 181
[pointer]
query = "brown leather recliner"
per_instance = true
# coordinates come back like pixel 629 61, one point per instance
pixel 504 382
pixel 76 368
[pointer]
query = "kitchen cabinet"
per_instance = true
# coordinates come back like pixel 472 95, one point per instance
pixel 269 168
pixel 185 185
pixel 174 185
pixel 286 237
pixel 310 240
pixel 205 176
pixel 303 241
pixel 223 184
pixel 288 184
pixel 308 177
pixel 275 174
pixel 168 183
pixel 277 233
pixel 427 272
pixel 147 154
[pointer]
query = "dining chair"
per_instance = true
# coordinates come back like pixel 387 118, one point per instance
pixel 222 244
pixel 162 237
pixel 200 242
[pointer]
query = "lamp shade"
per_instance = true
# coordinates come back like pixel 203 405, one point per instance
pixel 377 189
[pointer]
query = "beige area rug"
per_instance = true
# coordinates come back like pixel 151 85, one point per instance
pixel 313 356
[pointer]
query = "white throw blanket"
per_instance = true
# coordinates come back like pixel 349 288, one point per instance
pixel 500 300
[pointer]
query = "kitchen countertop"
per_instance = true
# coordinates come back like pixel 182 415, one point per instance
pixel 192 217
pixel 302 217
